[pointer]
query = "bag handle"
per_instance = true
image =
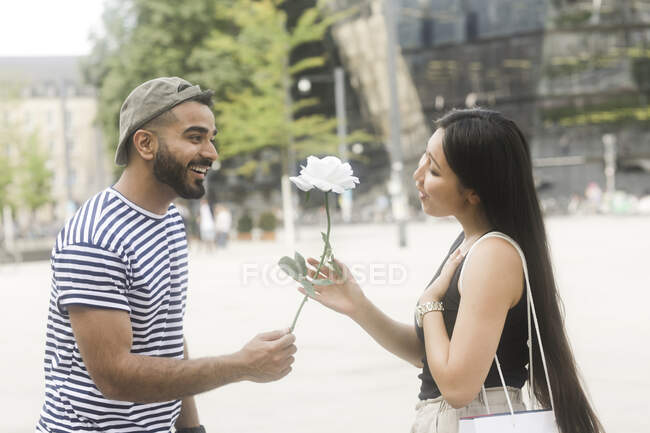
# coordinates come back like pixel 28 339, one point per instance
pixel 530 309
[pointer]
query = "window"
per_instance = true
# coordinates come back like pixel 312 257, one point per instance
pixel 471 26
pixel 427 32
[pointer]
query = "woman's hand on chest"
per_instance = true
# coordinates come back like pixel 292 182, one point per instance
pixel 437 289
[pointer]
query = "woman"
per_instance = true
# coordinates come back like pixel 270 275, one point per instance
pixel 477 168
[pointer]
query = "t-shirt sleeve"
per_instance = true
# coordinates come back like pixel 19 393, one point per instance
pixel 91 276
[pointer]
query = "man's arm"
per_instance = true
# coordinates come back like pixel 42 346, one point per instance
pixel 104 338
pixel 189 416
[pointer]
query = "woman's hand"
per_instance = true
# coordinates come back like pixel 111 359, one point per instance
pixel 344 295
pixel 437 289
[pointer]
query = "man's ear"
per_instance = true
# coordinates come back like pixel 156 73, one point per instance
pixel 145 144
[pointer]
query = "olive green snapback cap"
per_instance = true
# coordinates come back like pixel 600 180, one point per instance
pixel 148 101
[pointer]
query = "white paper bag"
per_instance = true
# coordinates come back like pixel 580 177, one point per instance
pixel 535 421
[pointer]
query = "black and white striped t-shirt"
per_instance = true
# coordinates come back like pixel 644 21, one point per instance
pixel 114 254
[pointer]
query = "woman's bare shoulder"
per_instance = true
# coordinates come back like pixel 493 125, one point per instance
pixel 494 264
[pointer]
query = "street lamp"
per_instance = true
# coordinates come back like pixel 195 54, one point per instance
pixel 304 86
pixel 396 188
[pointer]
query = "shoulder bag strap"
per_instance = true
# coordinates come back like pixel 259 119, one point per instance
pixel 531 309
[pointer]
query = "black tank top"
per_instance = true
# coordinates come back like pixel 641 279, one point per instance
pixel 512 350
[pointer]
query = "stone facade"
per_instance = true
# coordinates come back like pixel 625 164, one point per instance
pixel 568 72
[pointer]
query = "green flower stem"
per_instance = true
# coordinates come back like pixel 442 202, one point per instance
pixel 295 319
pixel 322 258
pixel 327 237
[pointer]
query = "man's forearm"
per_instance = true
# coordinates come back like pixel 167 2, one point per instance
pixel 189 416
pixel 146 379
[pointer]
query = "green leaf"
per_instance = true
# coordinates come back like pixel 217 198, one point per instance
pixel 322 282
pixel 300 261
pixel 306 103
pixel 307 196
pixel 312 25
pixel 308 63
pixel 290 267
pixel 308 286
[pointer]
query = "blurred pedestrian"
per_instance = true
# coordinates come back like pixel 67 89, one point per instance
pixel 473 314
pixel 115 357
pixel 207 228
pixel 223 225
pixel 594 196
pixel 382 207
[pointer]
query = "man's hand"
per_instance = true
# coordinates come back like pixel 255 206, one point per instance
pixel 104 338
pixel 268 356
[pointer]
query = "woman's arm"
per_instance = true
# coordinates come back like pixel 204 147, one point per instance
pixel 492 284
pixel 398 338
pixel 346 297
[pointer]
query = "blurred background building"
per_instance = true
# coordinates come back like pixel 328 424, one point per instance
pixel 47 110
pixel 575 75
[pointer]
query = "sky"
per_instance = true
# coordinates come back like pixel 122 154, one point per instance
pixel 48 27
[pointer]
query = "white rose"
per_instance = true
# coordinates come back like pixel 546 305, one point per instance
pixel 326 174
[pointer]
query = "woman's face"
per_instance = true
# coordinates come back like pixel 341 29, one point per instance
pixel 441 193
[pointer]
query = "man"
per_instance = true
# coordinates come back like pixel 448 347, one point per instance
pixel 115 356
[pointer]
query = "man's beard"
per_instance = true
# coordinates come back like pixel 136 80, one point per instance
pixel 170 171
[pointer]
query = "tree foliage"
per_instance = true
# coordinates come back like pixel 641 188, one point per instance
pixel 239 48
pixel 5 178
pixel 145 39
pixel 25 179
pixel 33 179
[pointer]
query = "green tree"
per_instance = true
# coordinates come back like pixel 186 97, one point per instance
pixel 145 39
pixel 33 179
pixel 25 180
pixel 260 113
pixel 239 48
pixel 8 138
pixel 5 178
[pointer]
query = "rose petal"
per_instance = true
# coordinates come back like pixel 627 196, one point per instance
pixel 301 183
pixel 323 185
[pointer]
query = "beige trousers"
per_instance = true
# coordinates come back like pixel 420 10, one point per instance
pixel 437 416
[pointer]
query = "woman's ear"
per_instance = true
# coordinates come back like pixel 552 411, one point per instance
pixel 144 143
pixel 472 197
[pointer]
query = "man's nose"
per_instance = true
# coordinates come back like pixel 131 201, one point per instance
pixel 210 151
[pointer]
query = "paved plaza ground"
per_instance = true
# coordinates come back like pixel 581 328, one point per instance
pixel 342 381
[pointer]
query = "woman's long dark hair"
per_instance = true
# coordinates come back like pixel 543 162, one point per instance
pixel 490 155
